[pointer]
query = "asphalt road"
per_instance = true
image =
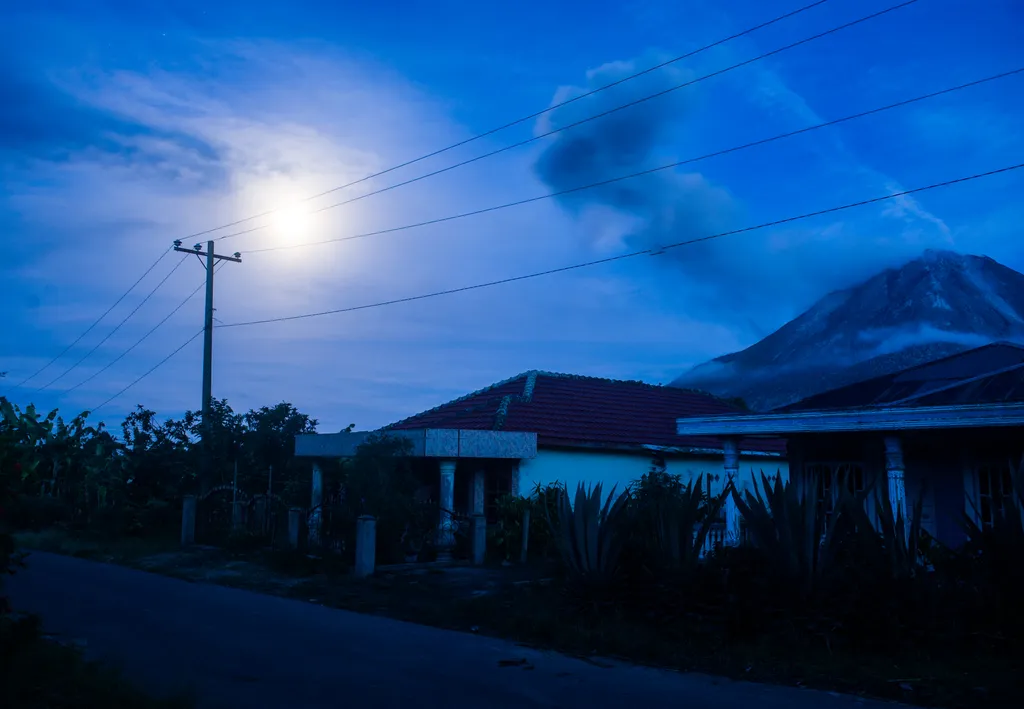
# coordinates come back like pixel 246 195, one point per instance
pixel 239 649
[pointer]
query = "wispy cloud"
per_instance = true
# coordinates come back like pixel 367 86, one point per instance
pixel 284 123
pixel 135 127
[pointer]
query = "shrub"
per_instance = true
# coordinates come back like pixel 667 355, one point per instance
pixel 37 512
pixel 669 523
pixel 244 540
pixel 379 480
pixel 505 537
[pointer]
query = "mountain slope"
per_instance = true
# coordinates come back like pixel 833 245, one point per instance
pixel 933 306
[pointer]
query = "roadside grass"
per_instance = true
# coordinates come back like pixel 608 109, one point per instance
pixel 37 672
pixel 510 603
pixel 94 547
pixel 540 615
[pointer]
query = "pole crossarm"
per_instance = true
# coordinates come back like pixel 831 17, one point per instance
pixel 198 251
pixel 210 261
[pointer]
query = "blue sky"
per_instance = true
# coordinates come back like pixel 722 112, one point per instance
pixel 129 124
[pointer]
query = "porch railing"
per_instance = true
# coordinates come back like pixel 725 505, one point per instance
pixel 716 537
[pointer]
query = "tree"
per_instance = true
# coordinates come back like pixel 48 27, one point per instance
pixel 269 441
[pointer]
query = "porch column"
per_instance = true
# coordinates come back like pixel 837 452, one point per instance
pixel 731 449
pixel 446 501
pixel 316 499
pixel 894 472
pixel 476 492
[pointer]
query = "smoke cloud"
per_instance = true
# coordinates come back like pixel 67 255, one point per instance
pixel 755 280
pixel 665 207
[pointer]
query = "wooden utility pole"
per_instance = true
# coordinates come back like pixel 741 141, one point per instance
pixel 210 262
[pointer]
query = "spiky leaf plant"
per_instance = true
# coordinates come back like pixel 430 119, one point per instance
pixel 789 526
pixel 589 534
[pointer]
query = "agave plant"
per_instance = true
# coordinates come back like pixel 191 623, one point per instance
pixel 892 538
pixel 791 528
pixel 678 524
pixel 589 535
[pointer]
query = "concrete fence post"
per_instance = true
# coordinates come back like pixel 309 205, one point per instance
pixel 526 535
pixel 188 520
pixel 260 509
pixel 366 546
pixel 316 500
pixel 294 526
pixel 478 526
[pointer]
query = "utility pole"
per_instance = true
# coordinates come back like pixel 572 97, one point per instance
pixel 211 259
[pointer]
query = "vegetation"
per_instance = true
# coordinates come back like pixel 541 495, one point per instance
pixel 589 534
pixel 850 596
pixel 505 537
pixel 84 479
pixel 35 671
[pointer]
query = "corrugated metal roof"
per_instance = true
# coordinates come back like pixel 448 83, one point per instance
pixel 990 374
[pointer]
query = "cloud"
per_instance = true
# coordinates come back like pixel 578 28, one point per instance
pixel 661 208
pixel 280 121
pixel 43 121
pixel 756 280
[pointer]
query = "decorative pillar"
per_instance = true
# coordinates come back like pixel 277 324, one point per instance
pixel 446 501
pixel 894 472
pixel 514 487
pixel 731 450
pixel 316 500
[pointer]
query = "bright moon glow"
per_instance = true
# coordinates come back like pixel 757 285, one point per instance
pixel 291 223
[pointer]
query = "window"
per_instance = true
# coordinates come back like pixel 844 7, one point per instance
pixel 831 478
pixel 995 491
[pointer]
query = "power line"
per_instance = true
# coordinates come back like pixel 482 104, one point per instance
pixel 564 269
pixel 596 116
pixel 140 340
pixel 529 117
pixel 649 252
pixel 151 370
pixel 116 328
pixel 143 337
pixel 648 171
pixel 93 326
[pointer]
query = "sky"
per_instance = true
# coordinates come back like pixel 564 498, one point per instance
pixel 127 125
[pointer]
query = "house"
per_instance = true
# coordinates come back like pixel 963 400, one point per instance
pixel 539 428
pixel 947 431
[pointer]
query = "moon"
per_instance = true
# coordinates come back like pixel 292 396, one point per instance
pixel 291 223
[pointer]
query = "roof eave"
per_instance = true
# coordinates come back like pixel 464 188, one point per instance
pixel 879 419
pixel 649 448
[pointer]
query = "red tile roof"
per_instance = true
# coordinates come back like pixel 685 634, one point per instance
pixel 571 410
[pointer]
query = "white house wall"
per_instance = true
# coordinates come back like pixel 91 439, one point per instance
pixel 620 469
